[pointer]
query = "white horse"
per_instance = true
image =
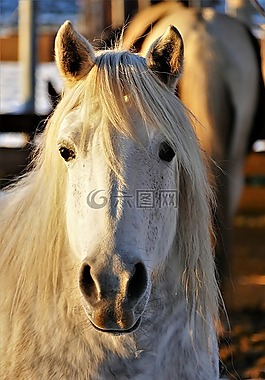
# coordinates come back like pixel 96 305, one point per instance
pixel 120 287
pixel 222 86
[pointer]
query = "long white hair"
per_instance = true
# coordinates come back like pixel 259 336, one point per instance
pixel 33 239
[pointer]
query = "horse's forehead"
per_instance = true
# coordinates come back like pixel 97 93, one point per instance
pixel 142 130
pixel 71 126
pixel 72 120
pixel 72 116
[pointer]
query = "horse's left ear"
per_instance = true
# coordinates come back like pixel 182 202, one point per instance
pixel 166 55
pixel 73 53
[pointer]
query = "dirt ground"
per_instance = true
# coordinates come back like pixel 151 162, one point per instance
pixel 242 349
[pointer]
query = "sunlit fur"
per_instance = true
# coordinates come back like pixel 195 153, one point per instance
pixel 222 86
pixel 40 301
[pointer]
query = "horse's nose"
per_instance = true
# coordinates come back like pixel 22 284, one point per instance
pixel 128 284
pixel 114 295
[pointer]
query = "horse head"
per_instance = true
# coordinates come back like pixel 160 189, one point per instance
pixel 119 199
pixel 122 188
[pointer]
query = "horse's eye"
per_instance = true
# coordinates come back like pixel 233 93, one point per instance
pixel 66 153
pixel 166 153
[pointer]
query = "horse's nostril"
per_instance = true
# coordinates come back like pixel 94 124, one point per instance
pixel 138 283
pixel 99 286
pixel 87 283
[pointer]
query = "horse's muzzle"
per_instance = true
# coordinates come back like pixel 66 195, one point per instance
pixel 113 297
pixel 118 331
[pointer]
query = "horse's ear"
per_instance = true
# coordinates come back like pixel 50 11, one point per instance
pixel 165 57
pixel 73 53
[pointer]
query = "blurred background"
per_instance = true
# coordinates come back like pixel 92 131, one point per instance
pixel 29 88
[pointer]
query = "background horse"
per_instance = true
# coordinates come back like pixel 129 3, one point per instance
pixel 115 287
pixel 222 85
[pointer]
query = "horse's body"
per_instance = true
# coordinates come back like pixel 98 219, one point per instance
pixel 119 289
pixel 222 86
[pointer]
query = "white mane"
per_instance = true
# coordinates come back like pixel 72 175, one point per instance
pixel 36 263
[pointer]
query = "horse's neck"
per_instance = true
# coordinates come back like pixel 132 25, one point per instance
pixel 165 338
pixel 168 328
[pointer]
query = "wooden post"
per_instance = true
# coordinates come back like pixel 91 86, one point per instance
pixel 95 18
pixel 122 11
pixel 103 15
pixel 117 13
pixel 27 52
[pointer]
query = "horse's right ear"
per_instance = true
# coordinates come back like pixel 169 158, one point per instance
pixel 73 53
pixel 166 55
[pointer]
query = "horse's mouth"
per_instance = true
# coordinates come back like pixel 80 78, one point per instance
pixel 119 331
